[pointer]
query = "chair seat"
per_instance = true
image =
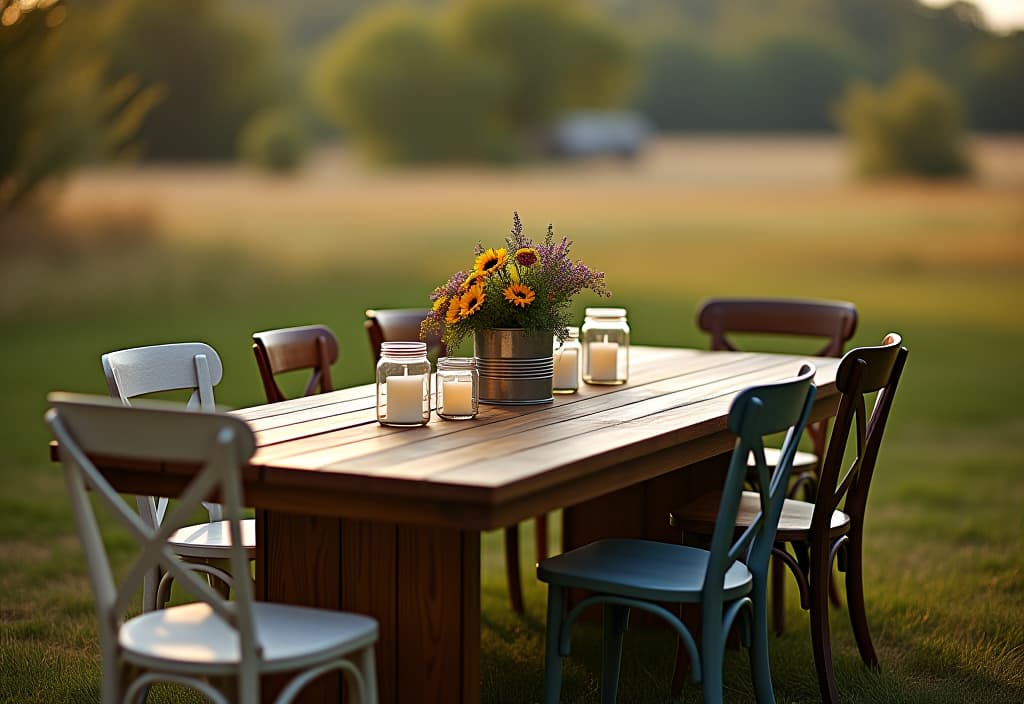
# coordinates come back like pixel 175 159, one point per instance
pixel 642 569
pixel 212 540
pixel 802 461
pixel 699 516
pixel 192 638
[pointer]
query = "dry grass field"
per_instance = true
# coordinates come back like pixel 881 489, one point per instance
pixel 140 256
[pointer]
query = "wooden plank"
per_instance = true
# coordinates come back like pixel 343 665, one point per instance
pixel 435 578
pixel 427 452
pixel 369 585
pixel 302 567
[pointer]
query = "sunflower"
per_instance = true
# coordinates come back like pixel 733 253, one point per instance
pixel 526 256
pixel 490 261
pixel 471 300
pixel 473 276
pixel 452 315
pixel 519 295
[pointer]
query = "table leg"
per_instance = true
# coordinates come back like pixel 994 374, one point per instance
pixel 422 584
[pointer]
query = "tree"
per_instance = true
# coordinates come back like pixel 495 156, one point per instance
pixel 59 108
pixel 404 93
pixel 553 55
pixel 913 125
pixel 216 70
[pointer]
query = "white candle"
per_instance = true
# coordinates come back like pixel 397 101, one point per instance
pixel 457 398
pixel 567 372
pixel 405 399
pixel 604 357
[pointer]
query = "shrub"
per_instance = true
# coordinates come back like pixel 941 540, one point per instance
pixel 275 139
pixel 914 126
pixel 404 93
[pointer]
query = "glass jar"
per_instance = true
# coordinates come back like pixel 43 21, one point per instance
pixel 403 384
pixel 605 336
pixel 458 388
pixel 567 354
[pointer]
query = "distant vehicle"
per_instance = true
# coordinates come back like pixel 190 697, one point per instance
pixel 599 133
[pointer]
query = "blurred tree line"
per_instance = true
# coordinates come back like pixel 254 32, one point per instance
pixel 472 79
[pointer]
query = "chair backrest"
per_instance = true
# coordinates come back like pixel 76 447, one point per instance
pixel 755 413
pixel 312 347
pixel 862 372
pixel 219 445
pixel 155 368
pixel 138 371
pixel 398 325
pixel 835 321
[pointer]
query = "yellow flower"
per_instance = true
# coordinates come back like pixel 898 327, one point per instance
pixel 490 261
pixel 513 273
pixel 519 295
pixel 452 316
pixel 439 303
pixel 471 300
pixel 473 276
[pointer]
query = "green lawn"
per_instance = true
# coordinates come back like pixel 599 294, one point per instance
pixel 183 258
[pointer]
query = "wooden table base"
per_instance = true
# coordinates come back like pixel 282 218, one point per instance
pixel 421 584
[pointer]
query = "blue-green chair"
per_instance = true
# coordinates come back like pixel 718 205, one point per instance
pixel 728 581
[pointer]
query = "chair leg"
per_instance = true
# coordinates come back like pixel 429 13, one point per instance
pixel 541 536
pixel 367 664
pixel 821 571
pixel 615 620
pixel 515 588
pixel 712 653
pixel 855 604
pixel 760 667
pixel 778 595
pixel 552 656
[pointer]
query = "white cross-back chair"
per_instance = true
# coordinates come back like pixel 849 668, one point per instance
pixel 212 641
pixel 195 367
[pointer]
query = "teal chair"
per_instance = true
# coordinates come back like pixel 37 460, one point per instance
pixel 728 581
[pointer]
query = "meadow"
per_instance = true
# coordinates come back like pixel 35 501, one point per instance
pixel 129 257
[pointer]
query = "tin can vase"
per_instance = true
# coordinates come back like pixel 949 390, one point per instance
pixel 515 368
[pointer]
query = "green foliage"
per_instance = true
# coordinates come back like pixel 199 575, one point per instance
pixel 215 70
pixel 783 82
pixel 276 139
pixel 479 82
pixel 912 126
pixel 994 97
pixel 58 108
pixel 404 92
pixel 553 56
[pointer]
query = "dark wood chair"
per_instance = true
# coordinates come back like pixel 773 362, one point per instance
pixel 826 326
pixel 400 324
pixel 397 324
pixel 311 347
pixel 811 536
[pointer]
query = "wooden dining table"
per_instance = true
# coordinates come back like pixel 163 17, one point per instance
pixel 386 521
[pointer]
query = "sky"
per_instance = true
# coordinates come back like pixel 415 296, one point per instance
pixel 1002 15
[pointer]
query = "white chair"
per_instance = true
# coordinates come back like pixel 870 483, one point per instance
pixel 190 366
pixel 212 642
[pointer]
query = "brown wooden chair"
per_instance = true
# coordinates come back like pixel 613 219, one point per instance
pixel 397 324
pixel 288 349
pixel 811 536
pixel 829 324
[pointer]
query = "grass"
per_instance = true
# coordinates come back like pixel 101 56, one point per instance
pixel 214 254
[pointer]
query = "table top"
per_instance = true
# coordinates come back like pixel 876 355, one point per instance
pixel 326 454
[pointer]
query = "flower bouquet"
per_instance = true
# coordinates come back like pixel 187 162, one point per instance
pixel 521 285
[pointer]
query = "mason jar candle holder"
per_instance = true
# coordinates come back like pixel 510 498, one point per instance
pixel 567 355
pixel 403 384
pixel 605 340
pixel 457 388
